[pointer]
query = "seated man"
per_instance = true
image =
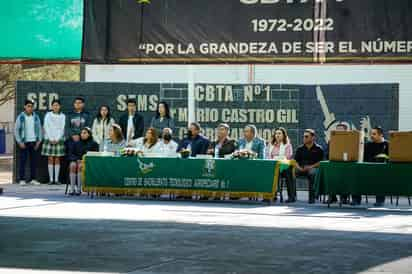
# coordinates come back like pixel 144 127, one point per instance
pixel 195 142
pixel 252 142
pixel 224 145
pixel 308 157
pixel 376 147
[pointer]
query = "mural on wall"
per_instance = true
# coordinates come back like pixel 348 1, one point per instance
pixel 358 106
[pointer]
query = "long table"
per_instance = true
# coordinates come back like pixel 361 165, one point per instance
pixel 206 177
pixel 382 179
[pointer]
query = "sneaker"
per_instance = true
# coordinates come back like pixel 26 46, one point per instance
pixel 22 182
pixel 34 182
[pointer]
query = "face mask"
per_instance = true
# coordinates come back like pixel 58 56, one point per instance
pixel 167 137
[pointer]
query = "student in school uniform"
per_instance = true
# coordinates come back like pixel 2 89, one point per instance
pixel 28 135
pixel 53 145
pixel 78 150
pixel 101 125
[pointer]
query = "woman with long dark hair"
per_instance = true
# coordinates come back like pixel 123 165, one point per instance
pixel 101 125
pixel 162 119
pixel 280 148
pixel 150 142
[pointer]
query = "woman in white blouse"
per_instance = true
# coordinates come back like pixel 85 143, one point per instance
pixel 149 143
pixel 53 145
pixel 102 125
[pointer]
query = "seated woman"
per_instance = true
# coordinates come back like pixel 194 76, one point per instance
pixel 116 140
pixel 150 143
pixel 76 153
pixel 280 148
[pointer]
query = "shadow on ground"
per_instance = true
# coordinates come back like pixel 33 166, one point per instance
pixel 165 247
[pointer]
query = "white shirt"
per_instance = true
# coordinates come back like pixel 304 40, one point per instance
pixel 100 130
pixel 168 149
pixel 54 126
pixel 138 143
pixel 282 150
pixel 29 128
pixel 249 145
pixel 130 129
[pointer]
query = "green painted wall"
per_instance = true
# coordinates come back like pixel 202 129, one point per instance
pixel 41 29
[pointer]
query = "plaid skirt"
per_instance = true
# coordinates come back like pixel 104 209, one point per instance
pixel 48 149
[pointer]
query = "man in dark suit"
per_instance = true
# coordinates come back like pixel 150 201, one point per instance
pixel 195 142
pixel 224 145
pixel 132 123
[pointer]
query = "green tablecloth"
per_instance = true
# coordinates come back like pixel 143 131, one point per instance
pixel 244 178
pixel 364 178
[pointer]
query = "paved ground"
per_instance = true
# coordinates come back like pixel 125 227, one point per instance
pixel 43 230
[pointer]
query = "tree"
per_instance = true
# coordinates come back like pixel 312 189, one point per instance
pixel 9 74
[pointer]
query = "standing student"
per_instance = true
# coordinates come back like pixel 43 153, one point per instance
pixel 53 145
pixel 101 125
pixel 77 119
pixel 28 135
pixel 132 123
pixel 162 119
pixel 79 149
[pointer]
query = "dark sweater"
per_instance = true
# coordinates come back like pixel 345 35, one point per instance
pixel 75 121
pixel 138 123
pixel 228 147
pixel 199 145
pixel 76 150
pixel 71 150
pixel 373 149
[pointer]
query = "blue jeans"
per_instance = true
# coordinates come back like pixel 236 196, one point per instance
pixel 28 153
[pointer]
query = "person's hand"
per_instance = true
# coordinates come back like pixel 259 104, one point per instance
pixel 22 145
pixel 307 168
pixel 36 147
pixel 210 151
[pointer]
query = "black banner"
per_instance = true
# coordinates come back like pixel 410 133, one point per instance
pixel 245 31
